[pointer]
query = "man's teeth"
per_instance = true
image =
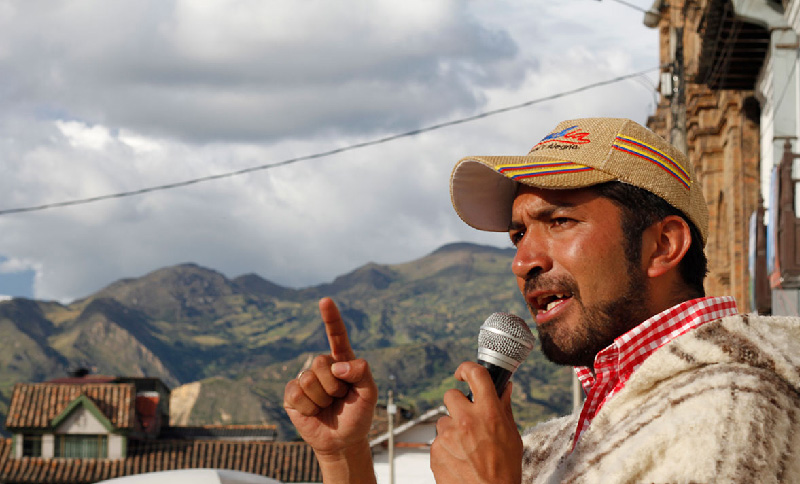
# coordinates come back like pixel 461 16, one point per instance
pixel 558 299
pixel 553 304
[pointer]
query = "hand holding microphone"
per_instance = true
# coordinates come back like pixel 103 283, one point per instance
pixel 479 441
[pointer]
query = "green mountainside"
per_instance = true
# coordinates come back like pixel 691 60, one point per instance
pixel 237 342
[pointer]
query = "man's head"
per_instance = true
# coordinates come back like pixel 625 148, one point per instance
pixel 609 224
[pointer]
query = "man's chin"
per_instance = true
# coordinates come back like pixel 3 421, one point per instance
pixel 559 356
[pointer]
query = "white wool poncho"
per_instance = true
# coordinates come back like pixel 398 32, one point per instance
pixel 718 404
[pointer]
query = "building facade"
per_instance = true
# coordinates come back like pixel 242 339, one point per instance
pixel 729 99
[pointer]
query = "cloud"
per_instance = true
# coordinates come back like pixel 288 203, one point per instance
pixel 252 70
pixel 80 135
pixel 100 98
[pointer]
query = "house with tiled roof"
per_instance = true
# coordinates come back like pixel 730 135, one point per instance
pixel 90 428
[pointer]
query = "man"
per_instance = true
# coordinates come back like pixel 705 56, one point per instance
pixel 609 224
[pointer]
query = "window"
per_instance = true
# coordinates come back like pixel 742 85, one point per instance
pixel 81 446
pixel 31 445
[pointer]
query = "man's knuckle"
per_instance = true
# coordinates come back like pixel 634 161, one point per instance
pixel 452 393
pixel 293 393
pixel 360 365
pixel 321 362
pixel 306 381
pixel 477 370
pixel 465 425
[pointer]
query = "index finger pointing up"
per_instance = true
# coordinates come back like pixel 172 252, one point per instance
pixel 336 331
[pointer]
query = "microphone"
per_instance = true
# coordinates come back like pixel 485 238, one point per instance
pixel 504 341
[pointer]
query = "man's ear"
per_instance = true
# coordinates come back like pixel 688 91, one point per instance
pixel 665 243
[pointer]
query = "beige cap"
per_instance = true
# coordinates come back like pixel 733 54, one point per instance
pixel 578 153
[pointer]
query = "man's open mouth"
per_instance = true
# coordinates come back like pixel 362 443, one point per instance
pixel 546 302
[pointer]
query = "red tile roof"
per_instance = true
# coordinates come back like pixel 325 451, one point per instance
pixel 285 461
pixel 215 431
pixel 35 405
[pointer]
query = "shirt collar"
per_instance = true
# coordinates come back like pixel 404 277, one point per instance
pixel 633 347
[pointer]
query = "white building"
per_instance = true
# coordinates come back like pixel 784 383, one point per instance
pixel 412 450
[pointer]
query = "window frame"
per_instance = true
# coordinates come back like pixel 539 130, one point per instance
pixel 81 446
pixel 31 445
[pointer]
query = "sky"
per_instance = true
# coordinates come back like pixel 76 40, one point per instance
pixel 100 97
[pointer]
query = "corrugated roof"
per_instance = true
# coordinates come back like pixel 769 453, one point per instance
pixel 285 461
pixel 35 405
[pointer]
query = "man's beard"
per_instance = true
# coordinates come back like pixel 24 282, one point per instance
pixel 600 324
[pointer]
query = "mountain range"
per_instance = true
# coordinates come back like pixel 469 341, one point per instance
pixel 228 346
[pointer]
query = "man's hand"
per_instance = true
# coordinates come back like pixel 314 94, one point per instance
pixel 332 405
pixel 479 441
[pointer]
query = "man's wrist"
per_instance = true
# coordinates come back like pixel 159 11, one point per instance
pixel 352 465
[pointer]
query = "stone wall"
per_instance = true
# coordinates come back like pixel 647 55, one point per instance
pixel 722 135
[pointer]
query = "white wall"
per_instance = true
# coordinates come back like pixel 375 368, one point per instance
pixel 115 446
pixel 81 421
pixel 420 433
pixel 411 466
pixel 48 446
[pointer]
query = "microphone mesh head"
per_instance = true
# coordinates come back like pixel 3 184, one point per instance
pixel 508 335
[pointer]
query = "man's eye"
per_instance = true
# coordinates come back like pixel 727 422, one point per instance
pixel 561 221
pixel 516 236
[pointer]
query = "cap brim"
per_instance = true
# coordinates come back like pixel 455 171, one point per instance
pixel 483 197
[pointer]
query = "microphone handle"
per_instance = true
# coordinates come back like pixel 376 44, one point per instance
pixel 500 377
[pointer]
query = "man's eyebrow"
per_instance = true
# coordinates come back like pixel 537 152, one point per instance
pixel 549 209
pixel 539 214
pixel 545 212
pixel 515 226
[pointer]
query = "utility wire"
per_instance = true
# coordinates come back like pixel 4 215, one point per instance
pixel 322 154
pixel 635 7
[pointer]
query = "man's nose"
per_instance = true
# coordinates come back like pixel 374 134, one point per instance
pixel 533 256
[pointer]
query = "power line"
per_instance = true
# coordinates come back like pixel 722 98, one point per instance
pixel 322 154
pixel 635 7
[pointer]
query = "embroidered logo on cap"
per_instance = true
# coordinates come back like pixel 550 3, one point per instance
pixel 566 139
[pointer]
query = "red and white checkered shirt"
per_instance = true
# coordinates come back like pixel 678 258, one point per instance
pixel 615 363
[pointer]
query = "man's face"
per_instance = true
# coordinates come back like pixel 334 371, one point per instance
pixel 571 268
